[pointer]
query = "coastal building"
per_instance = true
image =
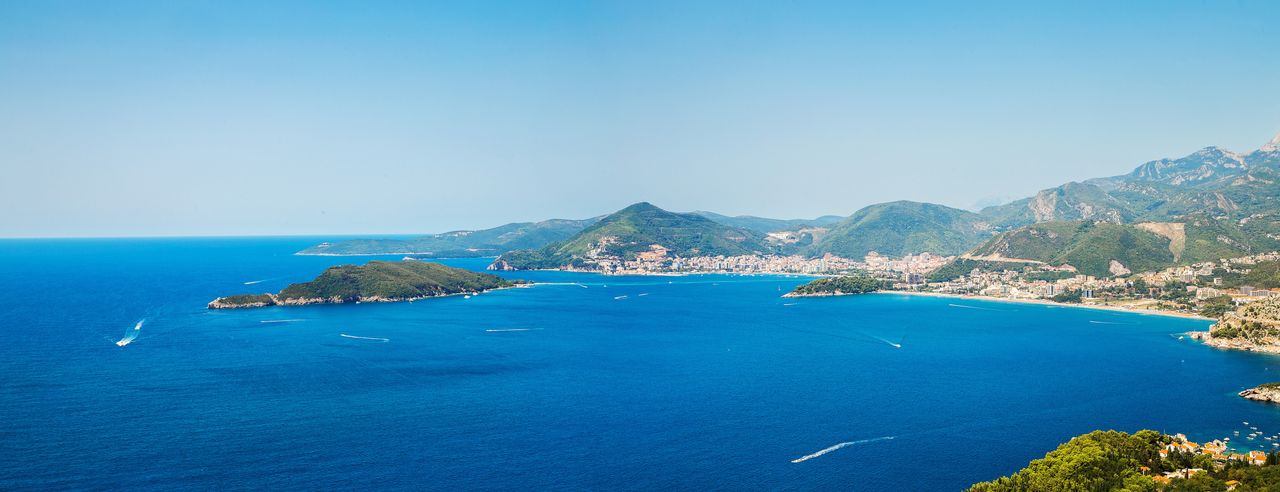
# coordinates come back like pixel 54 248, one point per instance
pixel 1207 293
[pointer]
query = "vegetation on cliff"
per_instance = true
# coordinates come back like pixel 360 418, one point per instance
pixel 1257 322
pixel 374 281
pixel 850 284
pixel 1099 460
pixel 1111 460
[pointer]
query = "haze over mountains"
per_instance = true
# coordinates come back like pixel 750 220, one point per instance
pixel 1211 204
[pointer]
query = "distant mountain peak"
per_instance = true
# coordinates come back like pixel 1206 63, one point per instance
pixel 641 207
pixel 1273 145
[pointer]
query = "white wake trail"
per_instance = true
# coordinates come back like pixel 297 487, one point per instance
pixel 504 330
pixel 131 335
pixel 808 457
pixel 894 345
pixel 376 339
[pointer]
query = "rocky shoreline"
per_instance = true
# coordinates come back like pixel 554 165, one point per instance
pixel 222 303
pixel 1233 343
pixel 1269 393
pixel 824 294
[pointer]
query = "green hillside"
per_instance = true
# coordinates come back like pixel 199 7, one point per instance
pixel 636 229
pixel 374 281
pixel 902 227
pixel 766 225
pixel 1209 239
pixel 461 244
pixel 1088 246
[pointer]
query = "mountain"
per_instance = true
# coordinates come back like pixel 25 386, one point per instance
pixel 1071 201
pixel 902 227
pixel 376 281
pixel 1094 248
pixel 640 229
pixel 766 225
pixel 461 244
pixel 1208 205
pixel 1208 167
pixel 1212 180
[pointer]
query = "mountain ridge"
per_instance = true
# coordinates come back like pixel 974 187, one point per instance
pixel 636 230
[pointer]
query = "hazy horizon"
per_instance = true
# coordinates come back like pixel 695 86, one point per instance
pixel 242 118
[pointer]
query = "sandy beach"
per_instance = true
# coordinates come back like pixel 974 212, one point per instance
pixel 1122 309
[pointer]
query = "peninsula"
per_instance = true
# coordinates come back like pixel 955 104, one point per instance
pixel 1254 326
pixel 1269 392
pixel 376 281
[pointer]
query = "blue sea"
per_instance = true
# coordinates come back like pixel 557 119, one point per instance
pixel 581 382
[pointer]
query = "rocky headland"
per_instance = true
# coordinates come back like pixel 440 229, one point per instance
pixel 1254 326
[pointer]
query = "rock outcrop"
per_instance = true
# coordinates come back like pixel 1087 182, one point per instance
pixel 1254 326
pixel 1269 392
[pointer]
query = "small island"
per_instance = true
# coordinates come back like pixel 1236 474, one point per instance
pixel 838 286
pixel 376 281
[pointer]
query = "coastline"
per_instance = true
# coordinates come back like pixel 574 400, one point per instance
pixel 428 254
pixel 316 301
pixel 1045 302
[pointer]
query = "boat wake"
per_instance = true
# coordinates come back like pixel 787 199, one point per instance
pixel 280 320
pixel 131 334
pixel 894 345
pixel 574 284
pixel 1109 323
pixel 504 330
pixel 619 298
pixel 808 457
pixel 252 282
pixel 375 339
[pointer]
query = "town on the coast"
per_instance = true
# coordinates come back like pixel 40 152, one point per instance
pixel 1206 288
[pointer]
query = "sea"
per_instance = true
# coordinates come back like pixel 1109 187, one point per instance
pixel 580 382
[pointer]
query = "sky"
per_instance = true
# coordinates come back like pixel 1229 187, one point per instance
pixel 280 118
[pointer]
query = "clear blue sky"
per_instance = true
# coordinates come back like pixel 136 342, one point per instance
pixel 220 117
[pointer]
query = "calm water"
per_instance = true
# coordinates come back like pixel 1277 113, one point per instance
pixel 686 383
